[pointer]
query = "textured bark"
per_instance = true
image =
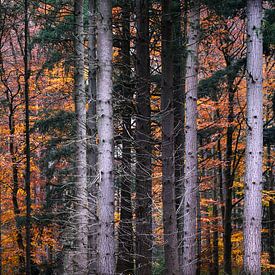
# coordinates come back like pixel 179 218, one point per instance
pixel 106 244
pixel 215 269
pixel 254 141
pixel 125 262
pixel 81 201
pixel 143 145
pixel 92 146
pixel 179 60
pixel 191 161
pixel 167 148
pixel 228 184
pixel 27 138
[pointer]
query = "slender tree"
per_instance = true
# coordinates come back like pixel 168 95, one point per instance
pixel 125 262
pixel 27 138
pixel 143 145
pixel 228 182
pixel 81 203
pixel 179 60
pixel 168 161
pixel 92 146
pixel 191 161
pixel 254 141
pixel 106 244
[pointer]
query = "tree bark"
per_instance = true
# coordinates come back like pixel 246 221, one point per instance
pixel 106 244
pixel 92 146
pixel 179 85
pixel 228 184
pixel 125 264
pixel 254 141
pixel 168 160
pixel 215 269
pixel 81 201
pixel 191 161
pixel 143 143
pixel 27 138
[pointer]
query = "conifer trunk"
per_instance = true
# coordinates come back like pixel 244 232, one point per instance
pixel 228 184
pixel 191 151
pixel 125 262
pixel 168 160
pixel 81 201
pixel 143 145
pixel 106 244
pixel 254 141
pixel 92 146
pixel 179 59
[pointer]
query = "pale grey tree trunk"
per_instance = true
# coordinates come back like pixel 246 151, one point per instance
pixel 191 159
pixel 167 148
pixel 92 147
pixel 81 201
pixel 254 141
pixel 106 244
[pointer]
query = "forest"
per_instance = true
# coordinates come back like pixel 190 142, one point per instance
pixel 137 137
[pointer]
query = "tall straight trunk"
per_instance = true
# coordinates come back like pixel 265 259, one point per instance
pixel 143 146
pixel 191 147
pixel 27 138
pixel 168 161
pixel 106 242
pixel 179 61
pixel 215 269
pixel 81 201
pixel 254 141
pixel 221 176
pixel 92 146
pixel 125 262
pixel 228 184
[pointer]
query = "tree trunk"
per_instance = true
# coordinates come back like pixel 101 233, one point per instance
pixel 228 184
pixel 168 161
pixel 215 270
pixel 143 146
pixel 27 138
pixel 106 244
pixel 254 141
pixel 92 146
pixel 125 262
pixel 81 201
pixel 179 84
pixel 191 151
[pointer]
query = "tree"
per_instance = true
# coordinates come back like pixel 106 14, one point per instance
pixel 106 244
pixel 143 143
pixel 81 203
pixel 92 146
pixel 254 141
pixel 125 262
pixel 168 160
pixel 27 138
pixel 191 151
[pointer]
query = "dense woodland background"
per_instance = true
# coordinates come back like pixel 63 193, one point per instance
pixel 137 137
